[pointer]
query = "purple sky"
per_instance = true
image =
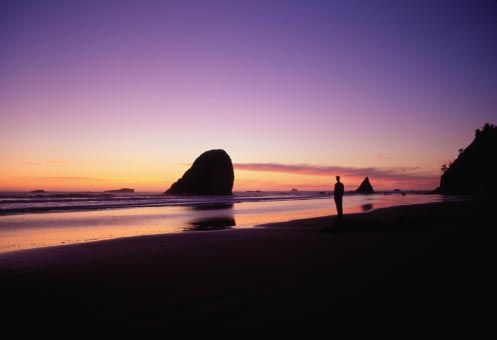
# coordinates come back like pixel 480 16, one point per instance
pixel 127 92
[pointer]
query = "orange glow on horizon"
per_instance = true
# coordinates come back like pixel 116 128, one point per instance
pixel 245 180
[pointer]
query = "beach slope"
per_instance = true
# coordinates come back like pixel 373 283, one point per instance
pixel 410 270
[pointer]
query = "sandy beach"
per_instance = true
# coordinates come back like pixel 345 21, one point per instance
pixel 410 270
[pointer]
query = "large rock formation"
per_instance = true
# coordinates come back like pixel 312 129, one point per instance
pixel 475 169
pixel 365 187
pixel 211 174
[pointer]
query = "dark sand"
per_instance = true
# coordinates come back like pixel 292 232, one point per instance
pixel 413 270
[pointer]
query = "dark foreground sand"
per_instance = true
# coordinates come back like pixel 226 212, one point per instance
pixel 420 270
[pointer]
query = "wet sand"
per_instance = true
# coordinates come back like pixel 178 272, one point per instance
pixel 411 270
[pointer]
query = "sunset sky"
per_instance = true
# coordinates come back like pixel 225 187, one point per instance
pixel 98 95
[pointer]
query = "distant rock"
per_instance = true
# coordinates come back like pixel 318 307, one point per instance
pixel 121 191
pixel 211 174
pixel 294 190
pixel 365 187
pixel 38 191
pixel 475 169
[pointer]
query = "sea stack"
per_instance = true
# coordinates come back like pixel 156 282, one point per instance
pixel 211 174
pixel 121 191
pixel 365 187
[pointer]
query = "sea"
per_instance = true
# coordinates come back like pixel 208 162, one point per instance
pixel 35 220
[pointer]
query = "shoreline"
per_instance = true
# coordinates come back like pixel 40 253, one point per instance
pixel 412 269
pixel 32 231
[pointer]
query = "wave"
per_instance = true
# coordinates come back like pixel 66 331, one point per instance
pixel 25 203
pixel 28 203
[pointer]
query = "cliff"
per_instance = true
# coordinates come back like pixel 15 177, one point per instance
pixel 475 169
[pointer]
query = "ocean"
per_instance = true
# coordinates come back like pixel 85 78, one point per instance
pixel 34 220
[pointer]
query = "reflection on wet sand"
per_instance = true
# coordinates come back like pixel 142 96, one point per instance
pixel 217 223
pixel 213 206
pixel 367 207
pixel 27 231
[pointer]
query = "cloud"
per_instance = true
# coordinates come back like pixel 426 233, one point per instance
pixel 50 161
pixel 321 170
pixel 382 156
pixel 62 178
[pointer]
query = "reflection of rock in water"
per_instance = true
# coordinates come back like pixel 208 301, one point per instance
pixel 366 207
pixel 211 224
pixel 213 206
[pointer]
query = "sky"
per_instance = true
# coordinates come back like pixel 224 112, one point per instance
pixel 99 95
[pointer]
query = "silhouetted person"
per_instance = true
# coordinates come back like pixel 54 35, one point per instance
pixel 338 195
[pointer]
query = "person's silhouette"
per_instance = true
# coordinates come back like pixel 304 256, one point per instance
pixel 338 195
